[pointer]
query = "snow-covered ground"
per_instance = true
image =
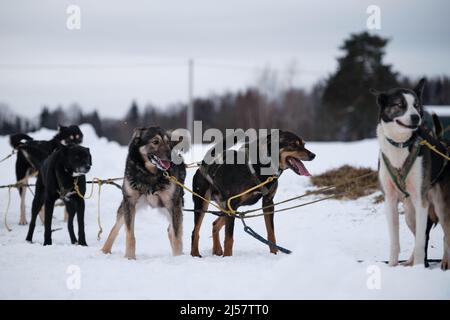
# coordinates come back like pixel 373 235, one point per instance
pixel 327 239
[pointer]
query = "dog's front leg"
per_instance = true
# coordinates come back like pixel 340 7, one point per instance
pixel 49 207
pixel 176 231
pixel 391 211
pixel 80 219
pixel 410 218
pixel 38 201
pixel 268 219
pixel 421 225
pixel 129 213
pixel 71 211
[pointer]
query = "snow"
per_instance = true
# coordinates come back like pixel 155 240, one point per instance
pixel 327 239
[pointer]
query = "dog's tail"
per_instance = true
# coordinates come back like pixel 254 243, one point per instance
pixel 15 140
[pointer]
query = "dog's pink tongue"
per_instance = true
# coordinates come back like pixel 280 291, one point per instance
pixel 165 164
pixel 301 169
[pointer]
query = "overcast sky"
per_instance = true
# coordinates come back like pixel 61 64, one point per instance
pixel 141 48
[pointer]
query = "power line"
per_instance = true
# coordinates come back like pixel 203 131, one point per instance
pixel 156 64
pixel 88 66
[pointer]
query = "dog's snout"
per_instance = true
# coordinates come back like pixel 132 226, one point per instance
pixel 312 156
pixel 415 119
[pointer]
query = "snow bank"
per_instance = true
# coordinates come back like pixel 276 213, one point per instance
pixel 327 239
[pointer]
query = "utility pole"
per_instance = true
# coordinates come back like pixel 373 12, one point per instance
pixel 190 109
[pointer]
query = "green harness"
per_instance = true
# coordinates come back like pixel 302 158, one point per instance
pixel 399 176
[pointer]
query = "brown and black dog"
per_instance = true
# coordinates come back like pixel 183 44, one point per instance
pixel 219 182
pixel 149 157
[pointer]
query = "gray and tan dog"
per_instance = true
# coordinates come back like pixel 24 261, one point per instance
pixel 411 173
pixel 149 157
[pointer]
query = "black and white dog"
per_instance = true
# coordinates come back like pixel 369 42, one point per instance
pixel 149 158
pixel 58 175
pixel 32 153
pixel 408 173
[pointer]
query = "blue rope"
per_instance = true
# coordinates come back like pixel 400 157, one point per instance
pixel 255 235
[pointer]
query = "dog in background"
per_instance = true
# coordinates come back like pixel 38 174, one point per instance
pixel 407 173
pixel 58 175
pixel 149 158
pixel 219 182
pixel 32 153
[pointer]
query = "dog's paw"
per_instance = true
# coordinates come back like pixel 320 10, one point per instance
pixel 445 265
pixel 274 250
pixel 47 242
pixel 29 240
pixel 218 251
pixel 196 254
pixel 23 222
pixel 409 262
pixel 106 251
pixel 82 243
pixel 393 263
pixel 130 256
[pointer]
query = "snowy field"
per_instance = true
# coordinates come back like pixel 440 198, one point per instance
pixel 327 240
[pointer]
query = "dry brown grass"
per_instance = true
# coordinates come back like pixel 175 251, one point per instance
pixel 348 187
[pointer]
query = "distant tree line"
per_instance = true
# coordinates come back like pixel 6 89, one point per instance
pixel 339 107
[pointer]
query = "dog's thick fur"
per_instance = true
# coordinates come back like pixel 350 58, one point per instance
pixel 400 119
pixel 149 156
pixel 231 179
pixel 56 180
pixel 32 153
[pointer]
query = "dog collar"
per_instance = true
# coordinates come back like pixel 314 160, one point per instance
pixel 402 145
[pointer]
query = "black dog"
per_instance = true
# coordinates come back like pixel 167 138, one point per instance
pixel 149 157
pixel 32 153
pixel 56 180
pixel 222 181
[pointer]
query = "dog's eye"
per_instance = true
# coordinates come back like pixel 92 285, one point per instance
pixel 155 142
pixel 71 137
pixel 77 136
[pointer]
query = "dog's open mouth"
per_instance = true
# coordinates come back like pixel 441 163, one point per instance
pixel 297 166
pixel 405 125
pixel 159 163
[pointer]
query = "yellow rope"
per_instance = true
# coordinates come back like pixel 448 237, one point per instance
pixel 5 215
pixel 230 210
pixel 434 149
pixel 175 180
pixel 269 179
pixel 78 192
pixel 100 229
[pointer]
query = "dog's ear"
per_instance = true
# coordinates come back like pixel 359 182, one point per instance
pixel 137 134
pixel 419 88
pixel 61 128
pixel 380 96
